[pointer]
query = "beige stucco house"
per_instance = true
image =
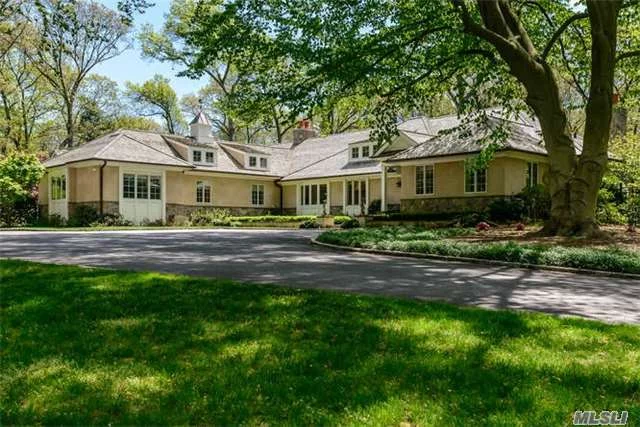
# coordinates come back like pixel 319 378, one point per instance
pixel 149 176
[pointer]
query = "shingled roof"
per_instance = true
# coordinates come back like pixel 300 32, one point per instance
pixel 123 146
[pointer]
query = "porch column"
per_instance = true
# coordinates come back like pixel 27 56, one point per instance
pixel 163 195
pixel 297 199
pixel 366 199
pixel 383 189
pixel 344 196
pixel 328 201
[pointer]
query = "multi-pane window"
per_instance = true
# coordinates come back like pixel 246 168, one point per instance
pixel 129 186
pixel 58 187
pixel 209 157
pixel 424 179
pixel 532 174
pixel 355 152
pixel 197 156
pixel 253 161
pixel 154 187
pixel 475 181
pixel 257 194
pixel 356 193
pixel 263 162
pixel 313 194
pixel 203 192
pixel 141 187
pixel 365 151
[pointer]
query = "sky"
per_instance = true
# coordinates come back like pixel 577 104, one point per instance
pixel 130 66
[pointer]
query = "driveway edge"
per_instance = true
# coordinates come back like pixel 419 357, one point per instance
pixel 602 273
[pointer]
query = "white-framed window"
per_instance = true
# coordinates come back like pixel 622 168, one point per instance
pixel 253 161
pixel 147 187
pixel 257 194
pixel 313 194
pixel 365 151
pixel 58 187
pixel 532 174
pixel 355 152
pixel 197 156
pixel 210 157
pixel 424 179
pixel 154 187
pixel 203 192
pixel 475 181
pixel 263 162
pixel 356 193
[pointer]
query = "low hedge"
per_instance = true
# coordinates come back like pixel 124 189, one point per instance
pixel 273 218
pixel 435 242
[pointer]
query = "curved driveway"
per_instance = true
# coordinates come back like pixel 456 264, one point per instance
pixel 287 258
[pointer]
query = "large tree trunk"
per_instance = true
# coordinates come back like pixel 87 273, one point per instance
pixel 573 180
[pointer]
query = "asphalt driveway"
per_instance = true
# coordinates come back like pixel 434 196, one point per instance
pixel 287 258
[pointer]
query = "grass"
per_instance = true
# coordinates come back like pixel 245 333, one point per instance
pixel 90 346
pixel 439 242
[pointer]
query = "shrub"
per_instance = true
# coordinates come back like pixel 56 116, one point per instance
pixel 203 217
pixel 83 216
pixel 19 176
pixel 375 206
pixel 537 202
pixel 506 209
pixel 607 211
pixel 311 223
pixel 482 226
pixel 273 218
pixel 111 220
pixel 632 209
pixel 350 223
pixel 54 220
pixel 339 219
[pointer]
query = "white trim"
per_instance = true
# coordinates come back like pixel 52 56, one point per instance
pixel 433 174
pixel 210 184
pixel 475 181
pixel 264 196
pixel 58 206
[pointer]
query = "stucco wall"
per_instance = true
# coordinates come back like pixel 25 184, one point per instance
pixel 43 190
pixel 289 196
pixel 226 192
pixel 505 176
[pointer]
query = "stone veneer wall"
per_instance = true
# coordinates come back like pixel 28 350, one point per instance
pixel 335 210
pixel 174 209
pixel 109 207
pixel 446 204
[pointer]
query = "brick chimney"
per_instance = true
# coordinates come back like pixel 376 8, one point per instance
pixel 303 132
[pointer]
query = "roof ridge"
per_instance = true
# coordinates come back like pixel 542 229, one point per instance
pixel 155 149
pixel 316 162
pixel 115 137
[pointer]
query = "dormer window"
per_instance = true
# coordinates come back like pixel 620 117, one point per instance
pixel 258 162
pixel 204 157
pixel 361 151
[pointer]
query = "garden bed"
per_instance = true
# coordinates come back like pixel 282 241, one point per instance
pixel 612 255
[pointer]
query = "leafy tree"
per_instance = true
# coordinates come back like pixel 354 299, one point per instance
pixel 72 38
pixel 98 106
pixel 509 52
pixel 155 97
pixel 19 174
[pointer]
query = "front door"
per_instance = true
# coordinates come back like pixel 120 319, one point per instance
pixel 356 197
pixel 141 196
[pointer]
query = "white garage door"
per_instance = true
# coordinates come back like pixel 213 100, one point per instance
pixel 141 196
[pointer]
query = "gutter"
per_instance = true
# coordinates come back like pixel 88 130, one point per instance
pixel 277 183
pixel 102 187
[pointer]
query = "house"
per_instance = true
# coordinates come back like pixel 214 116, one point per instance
pixel 147 176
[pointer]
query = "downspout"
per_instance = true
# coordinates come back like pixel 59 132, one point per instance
pixel 102 187
pixel 281 197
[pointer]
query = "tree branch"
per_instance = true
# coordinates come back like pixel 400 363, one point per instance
pixel 561 29
pixel 628 54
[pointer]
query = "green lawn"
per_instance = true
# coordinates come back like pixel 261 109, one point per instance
pixel 441 242
pixel 90 346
